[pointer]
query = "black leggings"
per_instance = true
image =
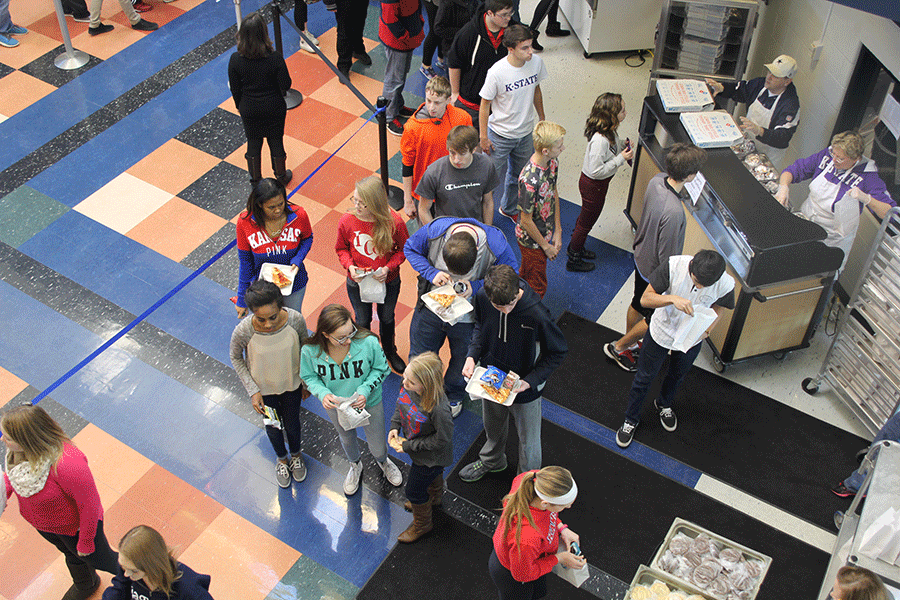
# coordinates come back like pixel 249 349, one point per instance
pixel 103 557
pixel 545 8
pixel 276 146
pixel 432 40
pixel 509 588
pixel 300 14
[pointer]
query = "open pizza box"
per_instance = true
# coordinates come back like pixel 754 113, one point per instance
pixel 452 313
pixel 267 272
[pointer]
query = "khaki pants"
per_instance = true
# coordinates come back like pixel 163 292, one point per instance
pixel 127 8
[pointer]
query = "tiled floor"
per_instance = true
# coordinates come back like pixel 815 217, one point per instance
pixel 120 179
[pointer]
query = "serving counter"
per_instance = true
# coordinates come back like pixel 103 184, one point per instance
pixel 782 270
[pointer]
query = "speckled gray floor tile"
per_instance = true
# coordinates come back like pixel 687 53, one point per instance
pixel 43 68
pixel 70 422
pixel 218 133
pixel 223 190
pixel 225 270
pixel 5 70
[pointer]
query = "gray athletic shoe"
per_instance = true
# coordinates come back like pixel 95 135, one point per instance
pixel 282 474
pixel 298 468
pixel 477 470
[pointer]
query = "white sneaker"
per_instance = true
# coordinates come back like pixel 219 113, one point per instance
pixel 305 46
pixel 455 409
pixel 351 482
pixel 391 472
pixel 311 37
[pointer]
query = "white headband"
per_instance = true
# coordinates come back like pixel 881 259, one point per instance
pixel 565 499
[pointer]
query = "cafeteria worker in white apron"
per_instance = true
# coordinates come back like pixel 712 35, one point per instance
pixel 843 181
pixel 773 107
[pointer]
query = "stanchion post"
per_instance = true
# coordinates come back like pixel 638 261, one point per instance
pixel 292 97
pixel 395 194
pixel 70 59
pixel 237 13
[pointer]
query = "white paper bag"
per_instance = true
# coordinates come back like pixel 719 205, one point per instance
pixel 371 290
pixel 349 417
pixel 574 576
pixel 690 329
pixel 880 541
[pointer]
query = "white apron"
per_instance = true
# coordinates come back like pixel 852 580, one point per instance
pixel 839 219
pixel 762 116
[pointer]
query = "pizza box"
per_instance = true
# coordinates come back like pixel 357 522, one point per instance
pixel 265 272
pixel 691 530
pixel 473 387
pixel 647 576
pixel 451 314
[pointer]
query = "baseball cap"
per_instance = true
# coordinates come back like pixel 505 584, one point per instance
pixel 783 66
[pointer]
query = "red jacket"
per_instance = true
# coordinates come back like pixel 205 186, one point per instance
pixel 536 556
pixel 401 26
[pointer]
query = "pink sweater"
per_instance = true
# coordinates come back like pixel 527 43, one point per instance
pixel 69 504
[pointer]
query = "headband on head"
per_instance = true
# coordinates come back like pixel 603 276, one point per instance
pixel 565 499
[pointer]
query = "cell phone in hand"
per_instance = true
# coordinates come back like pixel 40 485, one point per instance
pixel 575 549
pixel 628 147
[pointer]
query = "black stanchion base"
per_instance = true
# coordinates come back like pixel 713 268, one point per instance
pixel 293 98
pixel 395 197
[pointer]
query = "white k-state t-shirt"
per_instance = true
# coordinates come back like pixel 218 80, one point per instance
pixel 511 93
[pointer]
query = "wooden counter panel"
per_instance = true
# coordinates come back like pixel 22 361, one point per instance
pixel 780 322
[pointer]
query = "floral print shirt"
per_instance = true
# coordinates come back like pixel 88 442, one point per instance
pixel 537 193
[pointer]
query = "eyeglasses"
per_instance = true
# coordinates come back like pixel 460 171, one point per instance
pixel 343 340
pixel 838 159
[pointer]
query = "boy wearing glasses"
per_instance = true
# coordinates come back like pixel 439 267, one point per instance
pixel 513 332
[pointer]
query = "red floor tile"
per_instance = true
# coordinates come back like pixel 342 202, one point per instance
pixel 308 72
pixel 315 122
pixel 161 14
pixel 334 182
pixel 24 554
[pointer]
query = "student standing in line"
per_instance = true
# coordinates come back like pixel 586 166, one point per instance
pixel 401 29
pixel 265 353
pixel 370 244
pixel 851 484
pixel 57 494
pixel 272 230
pixel 531 539
pixel 96 27
pixel 605 153
pixel 461 184
pixel 856 583
pixel 148 571
pixel 7 28
pixel 350 18
pixel 341 360
pixel 538 231
pixel 423 418
pixel 660 234
pixel 510 100
pixel 676 289
pixel 259 78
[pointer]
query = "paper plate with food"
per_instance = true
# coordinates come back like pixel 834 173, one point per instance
pixel 493 384
pixel 446 303
pixel 280 275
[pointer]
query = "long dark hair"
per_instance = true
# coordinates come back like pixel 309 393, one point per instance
pixel 332 318
pixel 262 192
pixel 253 37
pixel 604 117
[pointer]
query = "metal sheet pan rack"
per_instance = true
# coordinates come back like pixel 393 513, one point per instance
pixel 880 489
pixel 861 364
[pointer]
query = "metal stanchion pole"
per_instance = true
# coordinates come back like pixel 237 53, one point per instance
pixel 70 59
pixel 395 194
pixel 292 97
pixel 237 13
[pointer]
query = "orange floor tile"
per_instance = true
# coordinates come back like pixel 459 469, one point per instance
pixel 176 228
pixel 173 166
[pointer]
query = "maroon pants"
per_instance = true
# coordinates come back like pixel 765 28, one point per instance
pixel 534 269
pixel 593 197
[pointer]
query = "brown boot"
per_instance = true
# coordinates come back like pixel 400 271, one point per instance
pixel 435 493
pixel 282 174
pixel 254 167
pixel 421 524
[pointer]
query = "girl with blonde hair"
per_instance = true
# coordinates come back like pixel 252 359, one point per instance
pixel 370 243
pixel 856 583
pixel 605 153
pixel 57 494
pixel 422 414
pixel 148 569
pixel 530 538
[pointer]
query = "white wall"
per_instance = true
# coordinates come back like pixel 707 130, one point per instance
pixel 789 27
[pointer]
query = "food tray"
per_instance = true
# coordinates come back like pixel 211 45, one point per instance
pixel 473 387
pixel 265 272
pixel 452 314
pixel 646 576
pixel 691 530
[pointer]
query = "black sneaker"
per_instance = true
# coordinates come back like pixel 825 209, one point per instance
pixel 406 111
pixel 100 29
pixel 666 417
pixel 555 30
pixel 535 45
pixel 395 127
pixel 144 25
pixel 77 15
pixel 625 434
pixel 583 254
pixel 363 57
pixel 624 359
pixel 842 491
pixel 345 73
pixel 579 266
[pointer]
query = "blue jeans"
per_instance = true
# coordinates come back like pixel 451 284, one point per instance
pixel 510 157
pixel 889 431
pixel 527 418
pixel 428 332
pixel 295 300
pixel 5 20
pixel 363 310
pixel 287 405
pixel 395 72
pixel 420 477
pixel 375 434
pixel 649 364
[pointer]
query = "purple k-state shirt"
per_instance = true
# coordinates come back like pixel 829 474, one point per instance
pixel 863 176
